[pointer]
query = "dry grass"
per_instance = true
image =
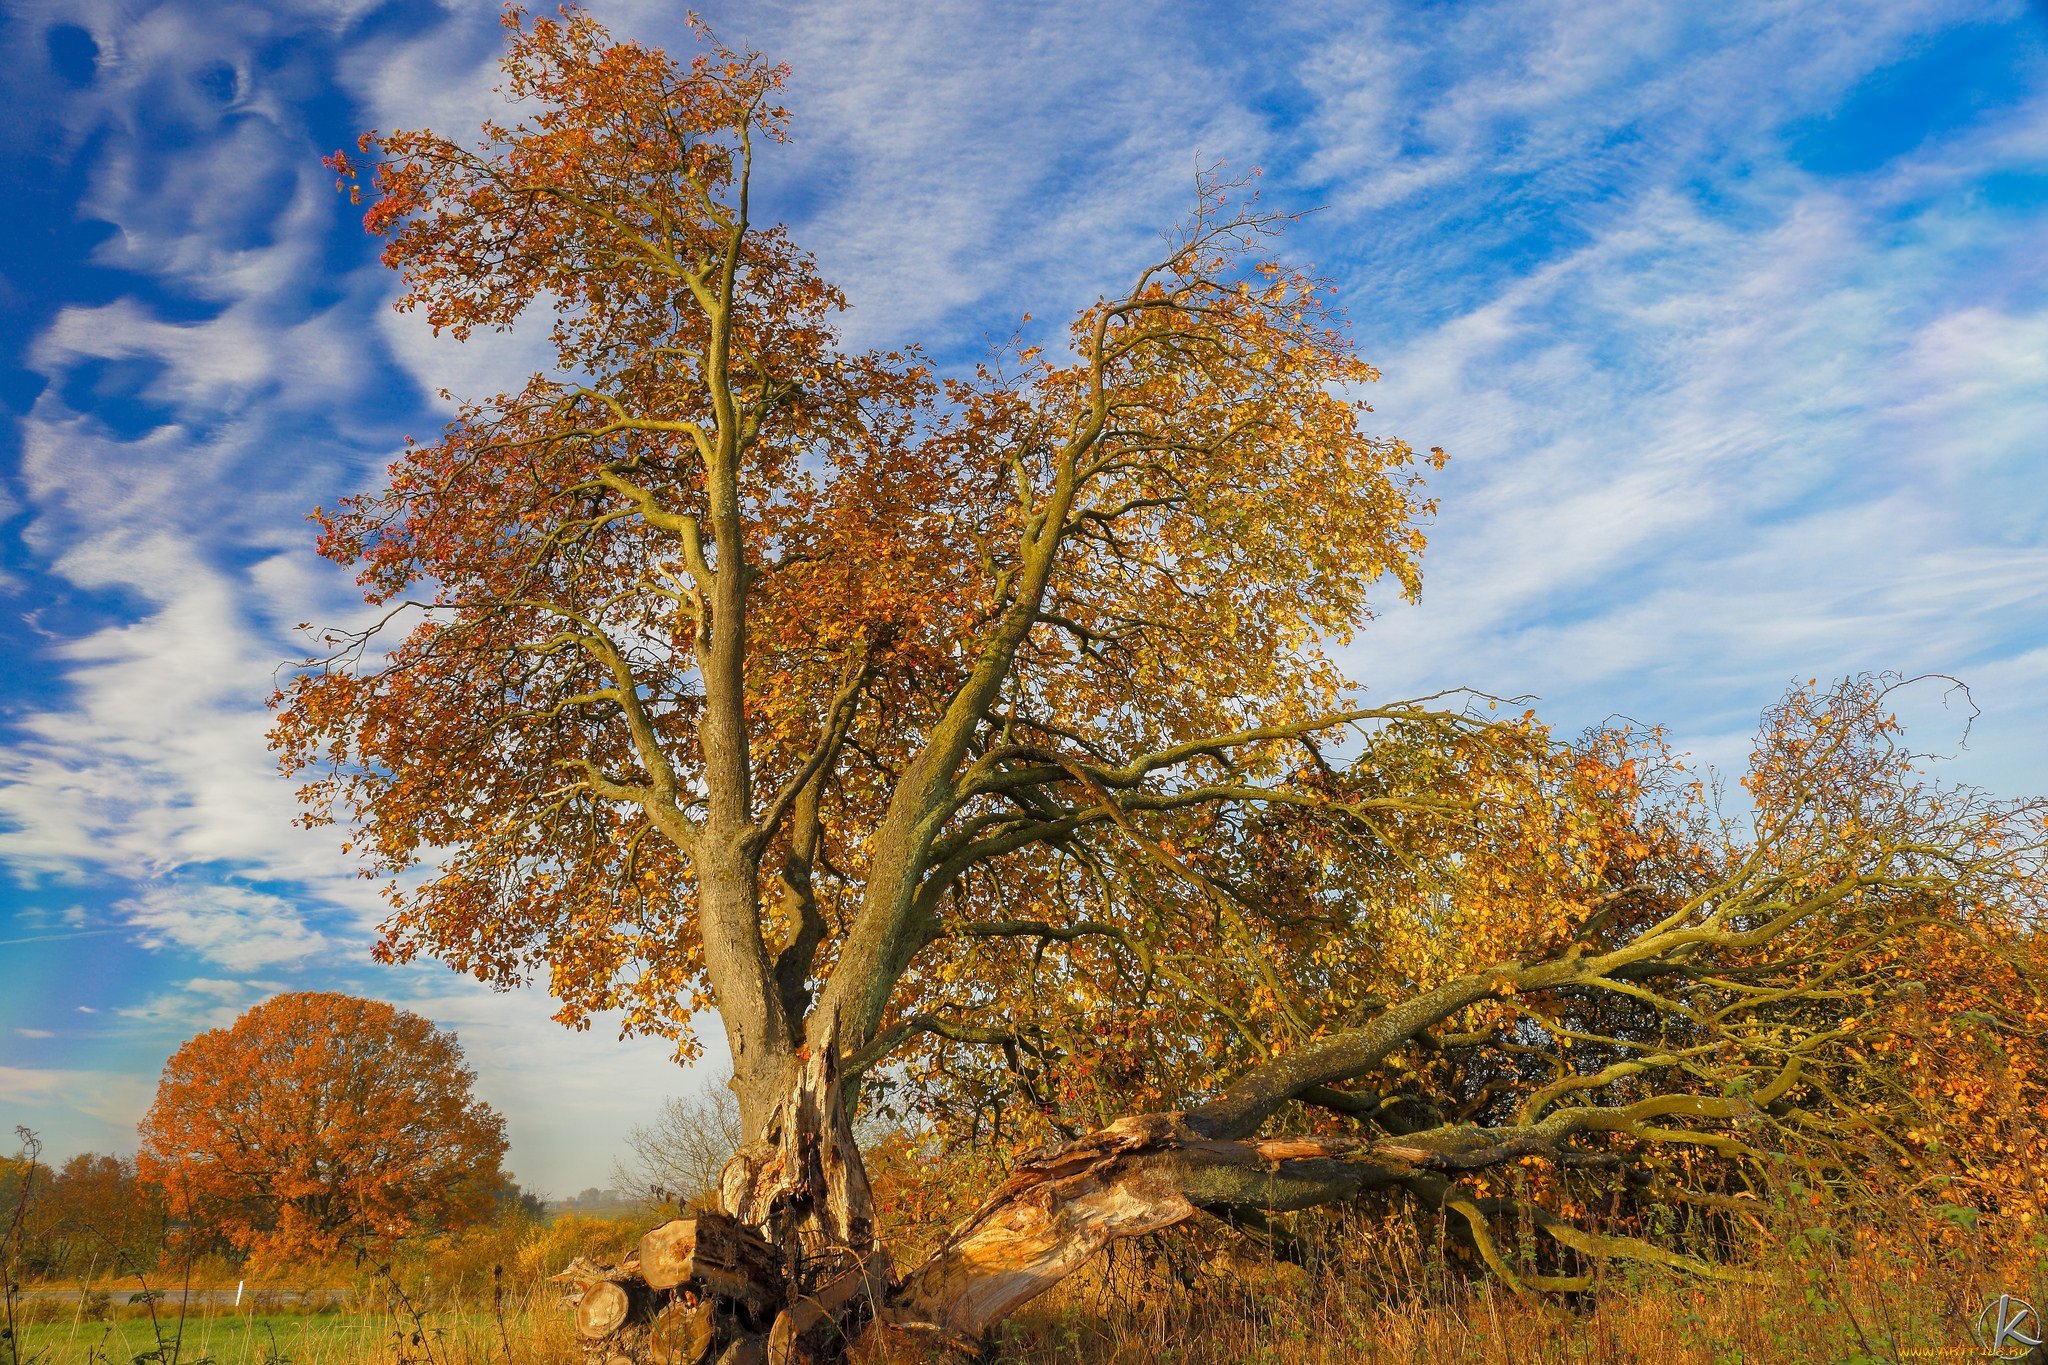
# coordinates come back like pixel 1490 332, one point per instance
pixel 1826 1303
pixel 1385 1295
pixel 1866 1285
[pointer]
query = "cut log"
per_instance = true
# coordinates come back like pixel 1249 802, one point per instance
pixel 603 1309
pixel 717 1254
pixel 583 1270
pixel 683 1333
pixel 871 1281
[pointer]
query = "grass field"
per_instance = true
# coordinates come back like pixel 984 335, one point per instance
pixel 1857 1309
pixel 1859 1287
pixel 264 1340
pixel 1850 1312
pixel 301 1338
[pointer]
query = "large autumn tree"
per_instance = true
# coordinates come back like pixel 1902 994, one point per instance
pixel 886 715
pixel 320 1123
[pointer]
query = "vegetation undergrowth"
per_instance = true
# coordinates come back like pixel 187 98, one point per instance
pixel 1839 1277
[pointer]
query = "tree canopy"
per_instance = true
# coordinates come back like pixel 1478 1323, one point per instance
pixel 974 732
pixel 320 1123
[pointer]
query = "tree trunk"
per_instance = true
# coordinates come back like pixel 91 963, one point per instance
pixel 803 1183
pixel 789 1272
pixel 1063 1204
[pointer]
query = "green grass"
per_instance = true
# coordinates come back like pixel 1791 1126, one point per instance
pixel 269 1339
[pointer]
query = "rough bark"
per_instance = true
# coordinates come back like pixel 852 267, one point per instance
pixel 758 1034
pixel 1139 1175
pixel 803 1182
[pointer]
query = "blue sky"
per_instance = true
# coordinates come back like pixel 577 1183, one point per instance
pixel 1734 320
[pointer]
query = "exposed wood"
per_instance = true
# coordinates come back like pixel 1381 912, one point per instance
pixel 1047 1219
pixel 716 1253
pixel 1063 1204
pixel 683 1333
pixel 603 1309
pixel 804 1182
pixel 668 1253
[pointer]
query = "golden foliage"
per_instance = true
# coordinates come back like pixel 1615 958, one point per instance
pixel 320 1123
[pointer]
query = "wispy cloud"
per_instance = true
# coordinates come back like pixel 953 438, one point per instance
pixel 56 938
pixel 233 926
pixel 74 1109
pixel 1745 428
pixel 201 1003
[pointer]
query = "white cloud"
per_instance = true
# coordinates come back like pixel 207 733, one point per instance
pixel 159 758
pixel 76 1109
pixel 569 1096
pixel 233 926
pixel 1721 446
pixel 19 1084
pixel 1581 96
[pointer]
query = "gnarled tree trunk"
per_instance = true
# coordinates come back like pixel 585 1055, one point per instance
pixel 802 1182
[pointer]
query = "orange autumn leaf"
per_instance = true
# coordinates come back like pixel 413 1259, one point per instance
pixel 320 1123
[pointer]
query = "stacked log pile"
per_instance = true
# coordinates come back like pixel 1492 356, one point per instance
pixel 695 1287
pixel 709 1289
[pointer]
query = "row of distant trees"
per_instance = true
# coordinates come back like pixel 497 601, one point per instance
pixel 317 1125
pixel 89 1212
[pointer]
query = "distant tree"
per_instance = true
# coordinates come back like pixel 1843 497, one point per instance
pixel 20 1175
pixel 319 1123
pixel 24 1190
pixel 94 1211
pixel 510 1199
pixel 676 1158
